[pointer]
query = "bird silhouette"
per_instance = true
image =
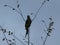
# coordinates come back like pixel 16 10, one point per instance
pixel 27 24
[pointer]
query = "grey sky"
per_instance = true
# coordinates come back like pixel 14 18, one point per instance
pixel 11 20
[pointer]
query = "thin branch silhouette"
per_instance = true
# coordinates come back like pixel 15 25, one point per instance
pixel 39 9
pixel 14 38
pixel 49 30
pixel 28 38
pixel 4 34
pixel 18 39
pixel 18 7
pixel 9 33
pixel 16 11
pixel 45 39
pixel 45 24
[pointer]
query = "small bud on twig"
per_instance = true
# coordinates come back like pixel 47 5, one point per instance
pixel 47 0
pixel 18 6
pixel 13 9
pixel 5 5
pixel 3 39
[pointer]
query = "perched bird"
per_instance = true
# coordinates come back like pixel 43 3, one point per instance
pixel 27 24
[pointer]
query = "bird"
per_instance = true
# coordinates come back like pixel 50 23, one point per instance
pixel 27 24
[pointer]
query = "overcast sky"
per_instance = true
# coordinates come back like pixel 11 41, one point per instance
pixel 13 21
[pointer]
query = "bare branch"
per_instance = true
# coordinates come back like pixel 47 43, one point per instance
pixel 4 35
pixel 39 10
pixel 16 10
pixel 18 39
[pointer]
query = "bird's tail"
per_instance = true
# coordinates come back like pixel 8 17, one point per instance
pixel 26 32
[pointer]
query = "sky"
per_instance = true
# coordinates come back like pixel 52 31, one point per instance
pixel 11 20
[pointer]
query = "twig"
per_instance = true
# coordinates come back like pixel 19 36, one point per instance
pixel 16 11
pixel 6 38
pixel 18 39
pixel 45 24
pixel 4 35
pixel 28 38
pixel 49 29
pixel 45 39
pixel 39 10
pixel 14 38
